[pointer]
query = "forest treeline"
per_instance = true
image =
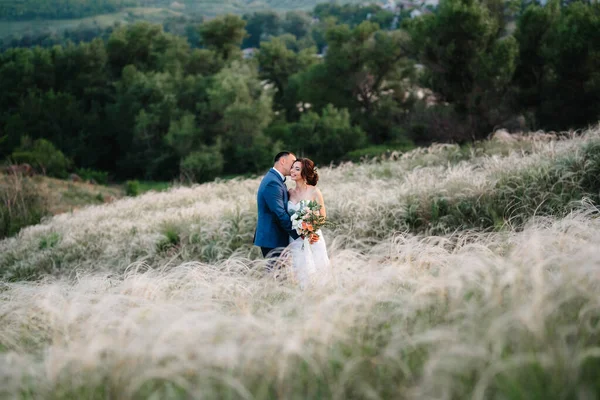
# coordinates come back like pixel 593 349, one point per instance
pixel 182 99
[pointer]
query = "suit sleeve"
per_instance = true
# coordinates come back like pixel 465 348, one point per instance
pixel 274 200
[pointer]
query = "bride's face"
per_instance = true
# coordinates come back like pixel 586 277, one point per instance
pixel 295 172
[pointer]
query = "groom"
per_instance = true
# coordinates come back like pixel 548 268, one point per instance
pixel 274 226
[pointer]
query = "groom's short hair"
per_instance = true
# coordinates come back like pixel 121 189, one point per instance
pixel 281 154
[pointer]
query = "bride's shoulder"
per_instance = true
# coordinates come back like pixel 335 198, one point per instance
pixel 315 191
pixel 317 195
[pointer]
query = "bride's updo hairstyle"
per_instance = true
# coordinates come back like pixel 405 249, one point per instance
pixel 308 171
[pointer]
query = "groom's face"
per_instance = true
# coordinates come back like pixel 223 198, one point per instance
pixel 288 162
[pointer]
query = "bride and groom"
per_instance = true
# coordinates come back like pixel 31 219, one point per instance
pixel 276 204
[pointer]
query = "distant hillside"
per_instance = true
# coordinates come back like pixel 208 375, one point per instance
pixel 60 9
pixel 128 15
pixel 25 17
pixel 214 7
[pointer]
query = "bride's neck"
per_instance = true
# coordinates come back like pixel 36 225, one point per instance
pixel 301 186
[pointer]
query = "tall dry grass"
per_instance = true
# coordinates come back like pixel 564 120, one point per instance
pixel 500 315
pixel 20 204
pixel 120 310
pixel 368 202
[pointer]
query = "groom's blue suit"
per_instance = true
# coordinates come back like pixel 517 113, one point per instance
pixel 274 226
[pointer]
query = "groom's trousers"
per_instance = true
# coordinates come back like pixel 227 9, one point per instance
pixel 269 253
pixel 272 255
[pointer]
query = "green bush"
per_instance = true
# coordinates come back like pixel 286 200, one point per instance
pixel 88 174
pixel 171 239
pixel 43 156
pixel 157 186
pixel 49 241
pixel 203 166
pixel 21 205
pixel 132 188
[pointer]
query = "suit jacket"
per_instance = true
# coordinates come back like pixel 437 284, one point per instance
pixel 274 226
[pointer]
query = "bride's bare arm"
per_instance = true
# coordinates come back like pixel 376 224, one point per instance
pixel 322 211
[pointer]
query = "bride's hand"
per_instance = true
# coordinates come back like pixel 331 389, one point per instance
pixel 313 238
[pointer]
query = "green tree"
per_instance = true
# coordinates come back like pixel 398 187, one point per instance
pixel 361 65
pixel 147 47
pixel 184 135
pixel 204 62
pixel 224 35
pixel 297 23
pixel 326 137
pixel 572 54
pixel 244 109
pixel 277 64
pixel 57 117
pixel 466 63
pixel 532 32
pixel 82 72
pixel 260 26
pixel 146 105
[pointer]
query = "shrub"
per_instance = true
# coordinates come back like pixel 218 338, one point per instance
pixel 157 186
pixel 88 174
pixel 49 241
pixel 171 239
pixel 132 188
pixel 43 156
pixel 203 166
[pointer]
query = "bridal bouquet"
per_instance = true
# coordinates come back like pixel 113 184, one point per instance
pixel 307 220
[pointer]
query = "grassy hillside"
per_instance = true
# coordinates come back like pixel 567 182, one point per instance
pixel 152 14
pixel 64 196
pixel 456 273
pixel 156 12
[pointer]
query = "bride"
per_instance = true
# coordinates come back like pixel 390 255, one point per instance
pixel 309 261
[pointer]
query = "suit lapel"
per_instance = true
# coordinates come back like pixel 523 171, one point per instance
pixel 276 175
pixel 283 187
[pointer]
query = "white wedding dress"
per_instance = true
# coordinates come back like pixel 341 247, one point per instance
pixel 310 262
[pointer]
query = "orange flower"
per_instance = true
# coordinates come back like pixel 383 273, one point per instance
pixel 307 226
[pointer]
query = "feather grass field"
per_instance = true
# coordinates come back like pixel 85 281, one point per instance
pixel 456 273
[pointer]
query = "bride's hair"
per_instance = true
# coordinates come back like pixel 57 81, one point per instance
pixel 308 171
